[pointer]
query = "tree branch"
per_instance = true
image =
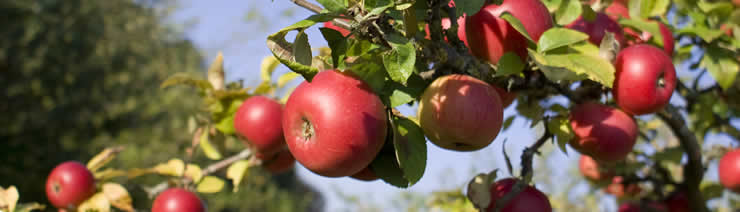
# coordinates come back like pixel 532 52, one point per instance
pixel 244 154
pixel 529 152
pixel 693 171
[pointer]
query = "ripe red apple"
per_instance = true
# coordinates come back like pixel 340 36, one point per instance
pixel 278 163
pixel 331 25
pixel 729 170
pixel 446 24
pixel 597 28
pixel 592 170
pixel 602 132
pixel 619 188
pixel 727 29
pixel 489 36
pixel 665 32
pixel 678 202
pixel 506 97
pixel 365 175
pixel 648 207
pixel 736 2
pixel 460 112
pixel 334 125
pixel 177 200
pixel 259 121
pixel 69 184
pixel 529 200
pixel 645 79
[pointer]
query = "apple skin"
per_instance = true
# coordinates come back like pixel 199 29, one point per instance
pixel 604 133
pixel 597 28
pixel 489 36
pixel 365 175
pixel 278 163
pixel 335 125
pixel 678 202
pixel 177 200
pixel 592 170
pixel 331 25
pixel 729 170
pixel 638 87
pixel 619 189
pixel 69 184
pixel 507 98
pixel 529 200
pixel 460 112
pixel 650 206
pixel 259 120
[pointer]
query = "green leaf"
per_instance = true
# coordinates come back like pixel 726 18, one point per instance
pixel 285 78
pixel 507 123
pixel 225 120
pixel 560 127
pixel 210 184
pixel 558 37
pixel 236 173
pixel 711 190
pixel 672 154
pixel 646 26
pixel 411 149
pixel 334 5
pixel 400 60
pixel 385 166
pixel 187 79
pixel 557 66
pixel 398 94
pixel 568 12
pixel 338 45
pixel 721 64
pixel 510 63
pixel 285 52
pixel 721 9
pixel 552 5
pixel 470 7
pixel 517 24
pixel 647 8
pixel 302 49
pixel 208 148
pixel 369 68
pixel 703 32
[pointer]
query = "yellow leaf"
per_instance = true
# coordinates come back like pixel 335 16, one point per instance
pixel 236 172
pixel 9 198
pixel 216 73
pixel 210 184
pixel 173 167
pixel 193 172
pixel 285 78
pixel 208 148
pixel 97 202
pixel 103 158
pixel 118 196
pixel 109 173
pixel 268 66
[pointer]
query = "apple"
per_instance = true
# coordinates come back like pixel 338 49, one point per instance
pixel 258 120
pixel 648 207
pixel 334 125
pixel 727 29
pixel 619 188
pixel 278 163
pixel 665 32
pixel 729 170
pixel 678 202
pixel 592 170
pixel 489 36
pixel 506 97
pixel 604 133
pixel 597 28
pixel 645 79
pixel 365 175
pixel 331 25
pixel 460 112
pixel 530 199
pixel 446 24
pixel 69 184
pixel 736 2
pixel 177 200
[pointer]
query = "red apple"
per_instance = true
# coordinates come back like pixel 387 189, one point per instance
pixel 460 112
pixel 446 24
pixel 334 125
pixel 597 28
pixel 602 132
pixel 331 25
pixel 529 200
pixel 727 29
pixel 649 207
pixel 729 170
pixel 489 36
pixel 278 163
pixel 177 200
pixel 620 189
pixel 645 79
pixel 678 202
pixel 736 2
pixel 365 175
pixel 618 9
pixel 69 184
pixel 592 170
pixel 259 121
pixel 665 32
pixel 506 97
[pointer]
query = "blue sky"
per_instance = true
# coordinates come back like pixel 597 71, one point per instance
pixel 225 26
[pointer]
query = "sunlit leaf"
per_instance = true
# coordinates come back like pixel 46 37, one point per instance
pixel 236 172
pixel 210 184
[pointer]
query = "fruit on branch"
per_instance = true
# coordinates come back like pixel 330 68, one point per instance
pixel 258 120
pixel 592 170
pixel 727 29
pixel 678 202
pixel 729 170
pixel 647 207
pixel 606 134
pixel 668 40
pixel 446 24
pixel 506 97
pixel 277 163
pixel 365 175
pixel 331 25
pixel 460 112
pixel 528 200
pixel 69 184
pixel 645 79
pixel 177 200
pixel 334 125
pixel 490 36
pixel 619 188
pixel 597 28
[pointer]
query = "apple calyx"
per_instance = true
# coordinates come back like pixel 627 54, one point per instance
pixel 479 189
pixel 307 129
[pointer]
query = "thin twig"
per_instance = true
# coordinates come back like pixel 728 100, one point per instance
pixel 243 155
pixel 317 9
